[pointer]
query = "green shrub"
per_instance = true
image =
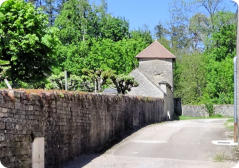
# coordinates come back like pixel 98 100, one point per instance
pixel 209 107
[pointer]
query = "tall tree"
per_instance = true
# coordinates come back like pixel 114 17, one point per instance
pixel 36 3
pixel 77 21
pixel 199 30
pixel 27 47
pixel 160 30
pixel 178 25
pixel 118 56
pixel 103 7
pixel 211 7
pixel 114 28
pixel 50 7
pixel 190 78
pixel 219 59
pixel 143 35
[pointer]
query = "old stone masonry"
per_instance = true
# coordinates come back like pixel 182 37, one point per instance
pixel 51 127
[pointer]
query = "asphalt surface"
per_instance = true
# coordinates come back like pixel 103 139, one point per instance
pixel 177 144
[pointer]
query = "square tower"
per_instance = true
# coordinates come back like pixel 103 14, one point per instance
pixel 155 76
pixel 156 63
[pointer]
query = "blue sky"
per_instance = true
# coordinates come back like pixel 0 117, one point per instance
pixel 145 12
pixel 140 12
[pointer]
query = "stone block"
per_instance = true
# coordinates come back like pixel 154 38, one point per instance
pixel 2 137
pixel 10 126
pixel 29 108
pixel 2 115
pixel 2 125
pixel 4 110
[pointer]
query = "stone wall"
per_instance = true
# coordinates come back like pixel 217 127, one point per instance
pixel 157 70
pixel 226 110
pixel 194 111
pixel 71 123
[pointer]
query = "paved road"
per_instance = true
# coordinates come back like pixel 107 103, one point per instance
pixel 178 144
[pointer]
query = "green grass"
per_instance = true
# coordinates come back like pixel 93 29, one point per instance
pixel 230 124
pixel 190 118
pixel 220 157
pixel 195 118
pixel 231 120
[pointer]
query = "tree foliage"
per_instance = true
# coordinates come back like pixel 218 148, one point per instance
pixel 57 81
pixel 123 83
pixel 27 45
pixel 76 21
pixel 118 56
pixel 190 77
pixel 203 40
pixel 114 28
pixel 211 7
pixel 92 39
pixel 142 35
pixel 216 77
pixel 98 78
pixel 219 59
pixel 98 49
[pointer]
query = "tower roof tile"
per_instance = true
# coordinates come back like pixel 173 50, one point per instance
pixel 155 50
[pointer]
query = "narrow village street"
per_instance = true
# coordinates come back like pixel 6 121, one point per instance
pixel 178 144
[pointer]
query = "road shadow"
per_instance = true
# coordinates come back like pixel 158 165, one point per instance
pixel 81 161
pixel 84 159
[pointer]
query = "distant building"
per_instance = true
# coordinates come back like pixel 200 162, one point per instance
pixel 155 75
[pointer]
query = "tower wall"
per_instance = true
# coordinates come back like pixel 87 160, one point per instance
pixel 157 70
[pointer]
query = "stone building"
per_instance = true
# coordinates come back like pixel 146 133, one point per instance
pixel 155 75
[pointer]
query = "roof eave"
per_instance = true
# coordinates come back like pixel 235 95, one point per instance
pixel 155 57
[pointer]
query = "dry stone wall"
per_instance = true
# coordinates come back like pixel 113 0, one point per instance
pixel 226 110
pixel 194 111
pixel 71 123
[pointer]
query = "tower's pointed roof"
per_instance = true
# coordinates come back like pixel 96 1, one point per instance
pixel 155 50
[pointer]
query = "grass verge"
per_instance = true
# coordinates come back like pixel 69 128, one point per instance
pixel 220 157
pixel 229 124
pixel 195 118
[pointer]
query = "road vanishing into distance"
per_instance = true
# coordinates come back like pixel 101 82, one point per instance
pixel 177 144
